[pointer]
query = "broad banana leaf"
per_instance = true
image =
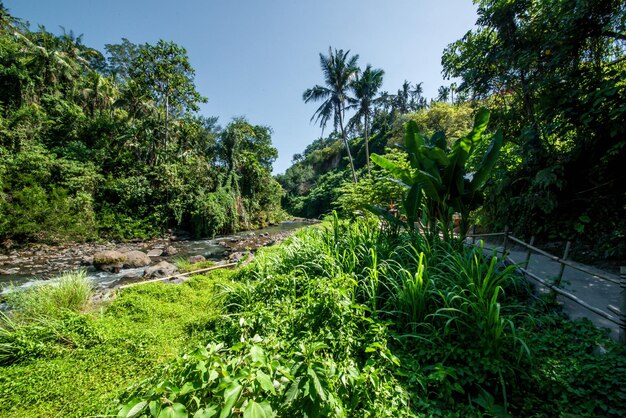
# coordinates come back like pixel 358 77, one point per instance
pixel 436 154
pixel 395 170
pixel 439 140
pixel 463 147
pixel 382 213
pixel 429 184
pixel 483 172
pixel 413 141
pixel 481 120
pixel 412 202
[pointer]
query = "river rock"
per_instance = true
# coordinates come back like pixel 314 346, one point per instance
pixel 177 280
pixel 236 257
pixel 136 259
pixel 110 261
pixel 156 252
pixel 162 269
pixel 127 279
pixel 196 259
pixel 86 261
pixel 169 250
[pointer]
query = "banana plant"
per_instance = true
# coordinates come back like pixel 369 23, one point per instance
pixel 438 183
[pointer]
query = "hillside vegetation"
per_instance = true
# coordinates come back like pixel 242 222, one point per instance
pixel 111 145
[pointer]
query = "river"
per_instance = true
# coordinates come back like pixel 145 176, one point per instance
pixel 29 270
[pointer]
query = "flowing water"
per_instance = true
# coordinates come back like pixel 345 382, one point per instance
pixel 214 249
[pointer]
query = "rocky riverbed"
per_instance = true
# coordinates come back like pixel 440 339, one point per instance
pixel 41 261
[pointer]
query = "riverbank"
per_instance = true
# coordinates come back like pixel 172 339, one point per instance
pixel 41 261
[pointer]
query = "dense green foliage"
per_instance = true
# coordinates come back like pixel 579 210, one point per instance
pixel 351 321
pixel 554 74
pixel 94 146
pixel 344 320
pixel 358 317
pixel 44 317
pixel 316 183
pixel 438 183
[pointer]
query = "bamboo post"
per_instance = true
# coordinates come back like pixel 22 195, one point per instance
pixel 528 254
pixel 557 282
pixel 505 244
pixel 473 234
pixel 161 279
pixel 622 326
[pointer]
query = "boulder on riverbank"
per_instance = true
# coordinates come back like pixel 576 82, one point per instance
pixel 162 269
pixel 156 252
pixel 110 261
pixel 136 259
pixel 169 251
pixel 196 259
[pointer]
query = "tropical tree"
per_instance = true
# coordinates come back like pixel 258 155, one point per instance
pixel 164 71
pixel 8 23
pixel 231 140
pixel 120 59
pixel 339 70
pixel 365 87
pixel 44 57
pixel 553 72
pixel 407 99
pixel 98 92
pixel 443 94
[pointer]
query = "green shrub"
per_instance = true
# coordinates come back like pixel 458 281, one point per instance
pixel 45 337
pixel 214 213
pixel 185 266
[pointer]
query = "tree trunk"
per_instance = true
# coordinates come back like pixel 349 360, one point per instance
pixel 167 119
pixel 345 141
pixel 367 146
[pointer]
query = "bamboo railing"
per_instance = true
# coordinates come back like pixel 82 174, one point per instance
pixel 617 316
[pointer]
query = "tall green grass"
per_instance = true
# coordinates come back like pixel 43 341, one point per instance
pixel 71 291
pixel 44 319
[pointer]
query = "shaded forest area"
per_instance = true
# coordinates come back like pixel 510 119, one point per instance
pixel 553 75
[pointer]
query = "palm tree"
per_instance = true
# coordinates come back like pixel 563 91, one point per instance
pixel 365 88
pixel 98 92
pixel 10 24
pixel 43 57
pixel 338 70
pixel 402 99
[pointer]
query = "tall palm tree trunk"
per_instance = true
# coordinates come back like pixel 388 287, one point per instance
pixel 367 146
pixel 345 141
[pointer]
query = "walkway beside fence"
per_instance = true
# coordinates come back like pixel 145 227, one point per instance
pixel 576 284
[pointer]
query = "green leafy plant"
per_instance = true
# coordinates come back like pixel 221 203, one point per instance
pixel 438 183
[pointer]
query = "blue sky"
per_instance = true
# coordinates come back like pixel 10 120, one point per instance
pixel 255 58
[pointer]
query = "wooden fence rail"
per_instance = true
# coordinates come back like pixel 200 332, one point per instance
pixel 619 317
